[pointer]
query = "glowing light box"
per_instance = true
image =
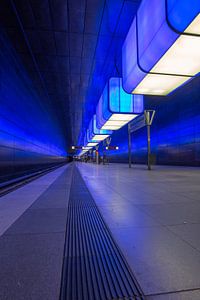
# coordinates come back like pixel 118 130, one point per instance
pixel 117 108
pixel 96 134
pixel 162 48
pixel 83 152
pixel 89 142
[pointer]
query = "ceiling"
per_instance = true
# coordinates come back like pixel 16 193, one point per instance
pixel 69 48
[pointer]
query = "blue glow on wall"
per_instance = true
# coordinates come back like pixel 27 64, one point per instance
pixel 175 133
pixel 29 132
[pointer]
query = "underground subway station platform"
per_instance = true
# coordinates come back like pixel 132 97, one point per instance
pixel 99 150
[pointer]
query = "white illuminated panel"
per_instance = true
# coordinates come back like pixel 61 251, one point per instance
pixel 86 148
pixel 155 84
pixel 183 57
pixel 92 144
pixel 100 137
pixel 194 26
pixel 83 152
pixel 116 121
pixel 111 127
pixel 122 117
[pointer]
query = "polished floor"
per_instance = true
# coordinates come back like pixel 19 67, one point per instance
pixel 153 216
pixel 31 249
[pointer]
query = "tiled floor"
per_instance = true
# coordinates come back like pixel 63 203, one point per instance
pixel 31 249
pixel 155 219
pixel 15 203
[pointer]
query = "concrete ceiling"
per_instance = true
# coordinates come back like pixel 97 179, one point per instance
pixel 69 48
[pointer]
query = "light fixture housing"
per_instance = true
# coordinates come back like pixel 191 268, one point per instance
pixel 83 152
pixel 92 144
pixel 86 147
pixel 162 48
pixel 89 142
pixel 116 108
pixel 96 134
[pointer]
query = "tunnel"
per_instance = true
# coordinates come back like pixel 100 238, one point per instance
pixel 99 150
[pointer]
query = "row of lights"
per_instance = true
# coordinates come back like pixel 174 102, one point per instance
pixel 115 109
pixel 160 53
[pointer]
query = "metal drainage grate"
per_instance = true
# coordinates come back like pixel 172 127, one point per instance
pixel 93 266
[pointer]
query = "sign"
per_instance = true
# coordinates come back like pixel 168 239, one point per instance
pixel 149 116
pixel 137 123
pixel 141 121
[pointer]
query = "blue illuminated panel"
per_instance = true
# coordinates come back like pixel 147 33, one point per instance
pixel 94 131
pixel 115 102
pixel 182 12
pixel 89 140
pixel 154 30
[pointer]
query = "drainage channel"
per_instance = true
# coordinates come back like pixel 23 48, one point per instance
pixel 93 265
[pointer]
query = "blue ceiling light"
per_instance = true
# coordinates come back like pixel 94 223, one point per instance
pixel 162 48
pixel 96 134
pixel 117 108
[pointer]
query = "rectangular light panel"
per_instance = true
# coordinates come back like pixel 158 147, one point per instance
pixel 183 57
pixel 92 144
pixel 116 121
pixel 100 137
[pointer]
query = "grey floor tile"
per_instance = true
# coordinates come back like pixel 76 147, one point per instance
pixel 40 221
pixel 194 196
pixel 126 215
pixel 161 261
pixel 31 266
pixel 188 232
pixel 53 198
pixel 14 204
pixel 164 260
pixel 174 213
pixel 187 295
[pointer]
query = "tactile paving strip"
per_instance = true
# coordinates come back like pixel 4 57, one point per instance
pixel 93 266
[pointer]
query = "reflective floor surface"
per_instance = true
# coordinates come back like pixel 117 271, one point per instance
pixel 155 218
pixel 31 249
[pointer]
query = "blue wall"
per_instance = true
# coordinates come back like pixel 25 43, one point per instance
pixel 30 137
pixel 175 132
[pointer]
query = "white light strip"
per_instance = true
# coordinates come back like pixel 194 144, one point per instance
pixel 91 144
pixel 110 127
pixel 83 152
pixel 100 137
pixel 86 148
pixel 116 121
pixel 122 117
pixel 183 57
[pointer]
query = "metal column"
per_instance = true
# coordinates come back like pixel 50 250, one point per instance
pixel 129 146
pixel 149 146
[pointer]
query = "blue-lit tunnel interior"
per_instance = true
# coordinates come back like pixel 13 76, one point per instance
pixel 30 134
pixel 56 58
pixel 97 202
